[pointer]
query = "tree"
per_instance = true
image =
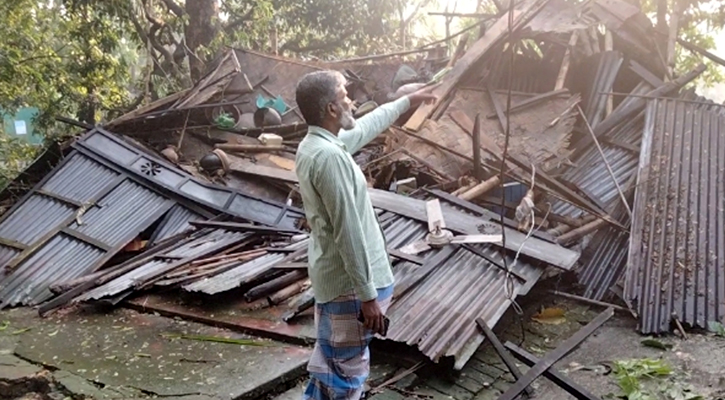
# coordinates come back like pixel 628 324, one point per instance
pixel 698 21
pixel 60 58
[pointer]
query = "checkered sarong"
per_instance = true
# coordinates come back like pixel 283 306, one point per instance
pixel 340 361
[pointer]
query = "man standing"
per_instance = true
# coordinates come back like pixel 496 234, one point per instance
pixel 349 265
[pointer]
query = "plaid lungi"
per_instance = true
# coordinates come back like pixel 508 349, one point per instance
pixel 340 361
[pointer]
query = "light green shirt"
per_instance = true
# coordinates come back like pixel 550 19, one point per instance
pixel 347 247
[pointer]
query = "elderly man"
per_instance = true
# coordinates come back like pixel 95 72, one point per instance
pixel 349 265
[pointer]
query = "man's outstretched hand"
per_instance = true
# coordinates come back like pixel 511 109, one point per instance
pixel 424 95
pixel 373 316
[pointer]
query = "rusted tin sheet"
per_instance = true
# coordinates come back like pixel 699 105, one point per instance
pixel 677 249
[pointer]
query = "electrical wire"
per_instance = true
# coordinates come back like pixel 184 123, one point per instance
pixel 509 284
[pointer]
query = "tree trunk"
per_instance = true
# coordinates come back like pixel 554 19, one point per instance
pixel 201 30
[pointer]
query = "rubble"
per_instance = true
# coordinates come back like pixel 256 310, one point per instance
pixel 602 166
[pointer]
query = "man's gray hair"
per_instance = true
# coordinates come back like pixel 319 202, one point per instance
pixel 314 92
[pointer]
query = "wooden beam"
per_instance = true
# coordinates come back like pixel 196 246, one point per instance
pixel 552 374
pixel 532 101
pixel 505 356
pixel 494 35
pixel 552 357
pixel 462 223
pixel 243 227
pixel 566 61
pixel 248 168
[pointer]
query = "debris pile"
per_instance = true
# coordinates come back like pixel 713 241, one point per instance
pixel 611 171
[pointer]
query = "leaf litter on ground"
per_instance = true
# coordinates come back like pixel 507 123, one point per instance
pixel 656 344
pixel 717 328
pixel 648 379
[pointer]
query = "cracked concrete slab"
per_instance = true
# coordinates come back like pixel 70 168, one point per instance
pixel 124 354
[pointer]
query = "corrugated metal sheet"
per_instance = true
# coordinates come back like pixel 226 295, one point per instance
pixel 591 175
pixel 604 260
pixel 6 254
pixel 232 279
pixel 196 247
pixel 438 315
pixel 61 258
pixel 80 179
pixel 34 219
pixel 175 222
pixel 678 247
pixel 126 210
pixel 596 105
pixel 112 221
pixel 241 274
pixel 150 168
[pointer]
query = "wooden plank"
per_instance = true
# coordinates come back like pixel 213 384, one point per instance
pixel 263 171
pixel 405 257
pixel 560 352
pixel 500 112
pixel 282 162
pixel 552 374
pixel 240 227
pixel 530 102
pixel 505 356
pixel 493 36
pixel 547 182
pixel 13 244
pixel 462 223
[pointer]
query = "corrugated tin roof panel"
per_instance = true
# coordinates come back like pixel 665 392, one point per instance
pixel 127 209
pixel 242 273
pixel 176 221
pixel 61 258
pixel 215 239
pixel 438 315
pixel 33 219
pixel 80 179
pixel 6 254
pixel 677 249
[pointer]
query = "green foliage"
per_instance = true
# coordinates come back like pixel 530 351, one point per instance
pixel 699 21
pixel 717 328
pixel 646 379
pixel 15 155
pixel 61 59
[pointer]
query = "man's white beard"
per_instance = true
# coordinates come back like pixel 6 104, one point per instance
pixel 347 121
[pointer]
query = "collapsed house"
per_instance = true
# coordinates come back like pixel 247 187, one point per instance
pixel 187 206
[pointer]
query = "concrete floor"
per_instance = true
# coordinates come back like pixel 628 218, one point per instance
pixel 123 354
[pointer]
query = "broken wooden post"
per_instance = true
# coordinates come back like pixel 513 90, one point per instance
pixel 672 38
pixel 566 61
pixel 579 233
pixel 505 356
pixel 274 285
pixel 552 374
pixel 560 352
pixel 251 148
pixel 476 135
pixel 481 188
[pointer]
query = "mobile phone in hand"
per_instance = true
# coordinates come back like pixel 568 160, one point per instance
pixel 386 323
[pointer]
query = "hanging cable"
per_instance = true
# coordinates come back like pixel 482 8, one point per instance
pixel 509 283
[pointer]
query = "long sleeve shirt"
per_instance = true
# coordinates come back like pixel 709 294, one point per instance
pixel 347 246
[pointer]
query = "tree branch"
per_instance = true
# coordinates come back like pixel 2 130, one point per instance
pixel 237 22
pixel 174 8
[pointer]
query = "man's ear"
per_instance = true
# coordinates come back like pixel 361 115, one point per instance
pixel 332 110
